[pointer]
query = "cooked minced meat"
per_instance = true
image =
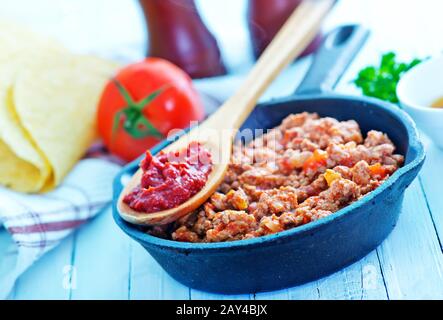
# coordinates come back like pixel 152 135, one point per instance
pixel 301 171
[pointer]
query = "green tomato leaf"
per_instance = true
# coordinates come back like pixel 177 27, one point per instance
pixel 135 123
pixel 144 102
pixel 116 123
pixel 142 128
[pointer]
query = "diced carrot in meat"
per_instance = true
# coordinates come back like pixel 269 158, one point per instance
pixel 378 170
pixel 316 161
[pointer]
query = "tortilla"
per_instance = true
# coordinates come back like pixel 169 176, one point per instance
pixel 48 102
pixel 16 173
pixel 16 40
pixel 57 107
pixel 15 137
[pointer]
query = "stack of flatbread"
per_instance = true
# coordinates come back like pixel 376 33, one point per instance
pixel 48 103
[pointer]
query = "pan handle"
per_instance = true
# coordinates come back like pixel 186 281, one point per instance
pixel 333 57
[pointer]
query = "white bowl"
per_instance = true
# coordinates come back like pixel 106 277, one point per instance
pixel 417 90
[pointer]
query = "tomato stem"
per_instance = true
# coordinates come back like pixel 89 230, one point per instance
pixel 135 122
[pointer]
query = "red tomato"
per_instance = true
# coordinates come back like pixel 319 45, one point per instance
pixel 143 103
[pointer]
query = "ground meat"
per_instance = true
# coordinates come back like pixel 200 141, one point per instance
pixel 185 235
pixel 361 173
pixel 276 201
pixel 262 177
pixel 230 225
pixel 375 138
pixel 301 171
pixel 293 159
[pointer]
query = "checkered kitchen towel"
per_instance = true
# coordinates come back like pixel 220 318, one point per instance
pixel 37 223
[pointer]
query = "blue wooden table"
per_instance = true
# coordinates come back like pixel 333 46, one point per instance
pixel 103 263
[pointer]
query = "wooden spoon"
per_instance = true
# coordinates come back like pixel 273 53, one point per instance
pixel 217 132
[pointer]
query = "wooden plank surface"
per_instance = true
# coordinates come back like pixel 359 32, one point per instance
pixel 411 258
pixel 149 281
pixel 431 179
pixel 101 260
pixel 49 277
pixel 362 280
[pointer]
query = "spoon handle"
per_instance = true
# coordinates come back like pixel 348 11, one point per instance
pixel 298 31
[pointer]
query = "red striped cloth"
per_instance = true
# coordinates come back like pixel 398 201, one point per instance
pixel 37 223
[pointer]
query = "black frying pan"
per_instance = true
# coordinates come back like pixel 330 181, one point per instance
pixel 318 248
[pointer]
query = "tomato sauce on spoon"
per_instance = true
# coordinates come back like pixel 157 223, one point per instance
pixel 170 179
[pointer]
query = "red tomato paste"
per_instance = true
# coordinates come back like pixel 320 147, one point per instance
pixel 170 179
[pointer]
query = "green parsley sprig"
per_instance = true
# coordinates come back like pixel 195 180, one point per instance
pixel 381 82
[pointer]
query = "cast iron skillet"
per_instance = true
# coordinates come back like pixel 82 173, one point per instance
pixel 319 248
